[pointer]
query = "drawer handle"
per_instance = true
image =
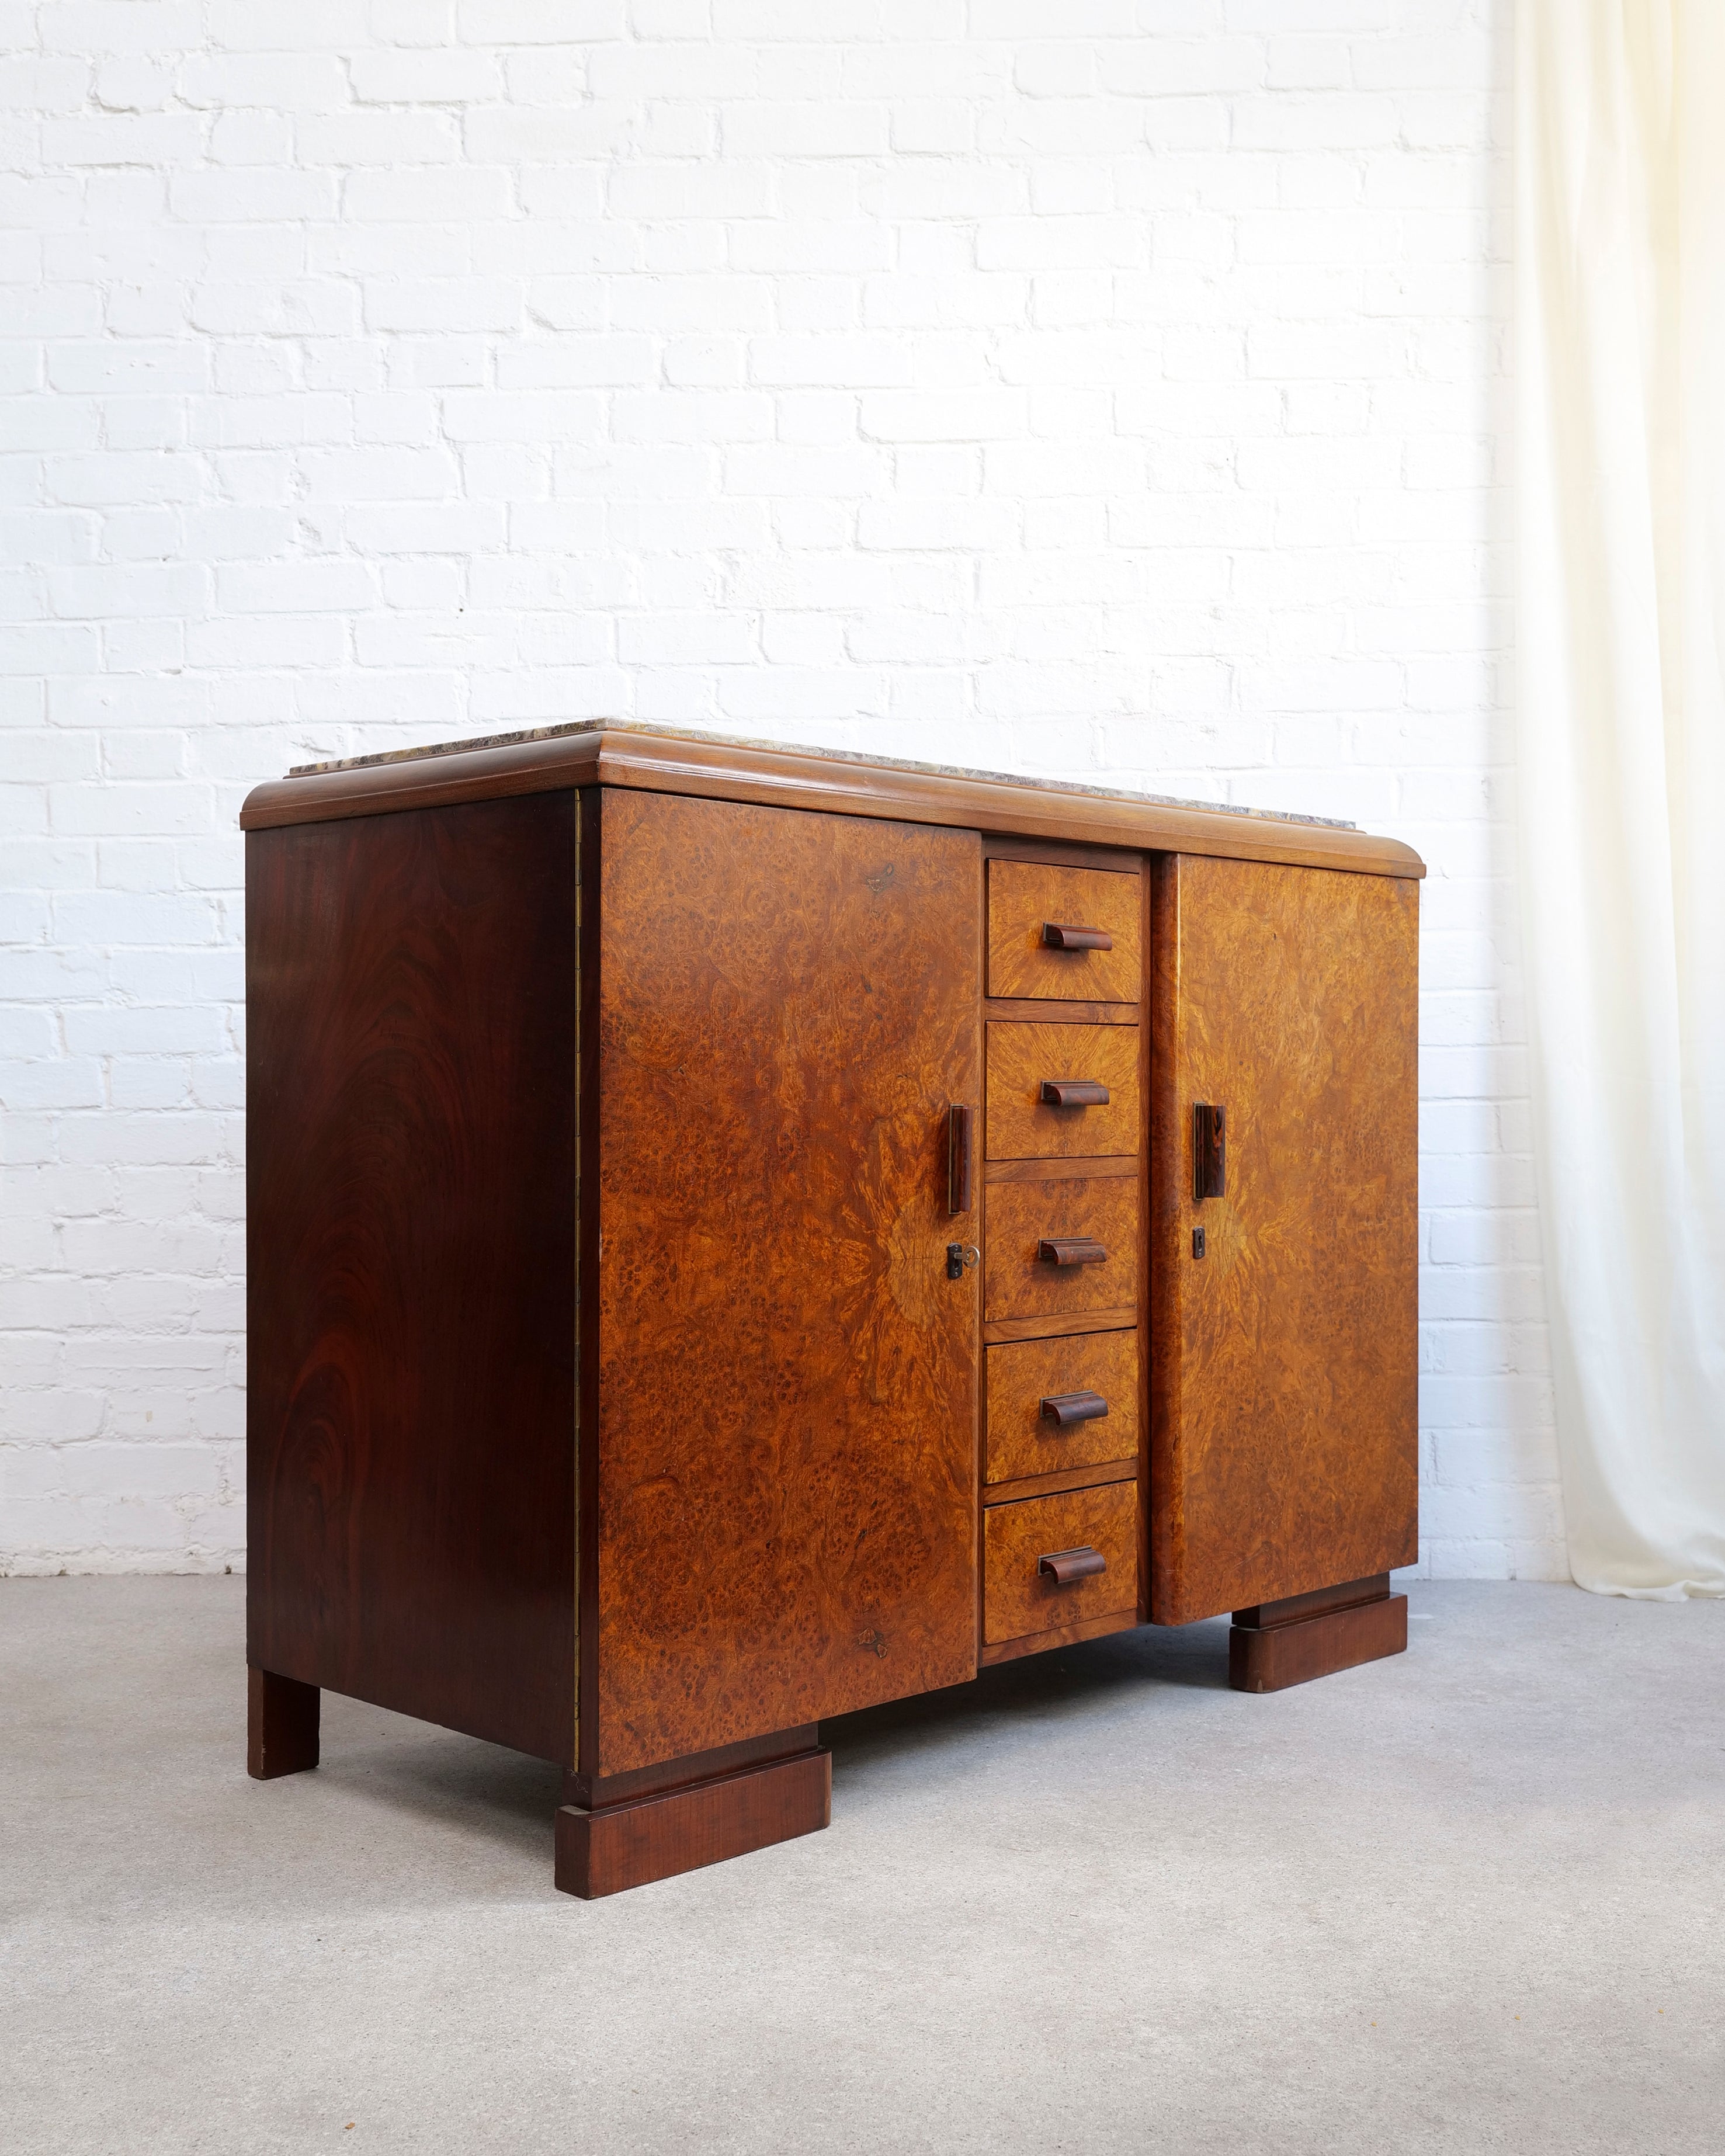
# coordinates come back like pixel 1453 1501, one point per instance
pixel 1071 1251
pixel 1067 935
pixel 961 1150
pixel 1063 1566
pixel 1210 1150
pixel 1074 1093
pixel 1063 1410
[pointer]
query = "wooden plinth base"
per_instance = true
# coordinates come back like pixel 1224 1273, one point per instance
pixel 281 1725
pixel 1280 1643
pixel 655 1837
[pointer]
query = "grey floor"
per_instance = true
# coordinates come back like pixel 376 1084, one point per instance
pixel 1467 1900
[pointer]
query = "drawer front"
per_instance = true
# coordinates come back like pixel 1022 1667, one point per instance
pixel 1022 1440
pixel 1018 1599
pixel 1023 895
pixel 1022 1059
pixel 1019 1282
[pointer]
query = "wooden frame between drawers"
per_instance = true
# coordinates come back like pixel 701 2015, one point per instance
pixel 1000 1331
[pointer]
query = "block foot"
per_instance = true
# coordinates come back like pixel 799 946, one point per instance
pixel 281 1726
pixel 635 1839
pixel 1278 1644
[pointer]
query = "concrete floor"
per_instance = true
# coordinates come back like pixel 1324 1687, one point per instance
pixel 1468 1900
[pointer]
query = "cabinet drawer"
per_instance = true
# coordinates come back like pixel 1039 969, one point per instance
pixel 1019 1282
pixel 1022 1440
pixel 1022 1059
pixel 1019 1597
pixel 1024 897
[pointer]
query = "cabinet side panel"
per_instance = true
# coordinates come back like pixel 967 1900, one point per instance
pixel 1285 1429
pixel 411 1002
pixel 787 1474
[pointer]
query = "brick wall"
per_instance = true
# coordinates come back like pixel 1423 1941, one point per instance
pixel 1106 389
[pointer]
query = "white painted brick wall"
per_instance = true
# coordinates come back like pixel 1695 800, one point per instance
pixel 1112 388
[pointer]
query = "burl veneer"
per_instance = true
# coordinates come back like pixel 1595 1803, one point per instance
pixel 650 1138
pixel 1284 1452
pixel 787 1379
pixel 1030 1067
pixel 1027 1438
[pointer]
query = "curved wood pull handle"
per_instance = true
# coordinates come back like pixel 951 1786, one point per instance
pixel 1067 935
pixel 1063 1410
pixel 1210 1150
pixel 1063 1566
pixel 1071 1251
pixel 961 1152
pixel 1074 1093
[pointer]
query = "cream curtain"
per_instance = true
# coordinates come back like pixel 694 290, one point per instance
pixel 1620 699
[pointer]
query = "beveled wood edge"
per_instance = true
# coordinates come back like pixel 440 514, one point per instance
pixel 1097 1168
pixel 434 781
pixel 1100 1475
pixel 1062 1635
pixel 1164 1572
pixel 595 1793
pixel 648 1838
pixel 1316 1602
pixel 1052 854
pixel 1002 1332
pixel 803 779
pixel 1032 1010
pixel 1276 1657
pixel 1146 1202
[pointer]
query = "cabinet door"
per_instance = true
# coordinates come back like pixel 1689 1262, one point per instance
pixel 787 1379
pixel 1284 1446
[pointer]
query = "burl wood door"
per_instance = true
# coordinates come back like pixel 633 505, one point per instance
pixel 786 1468
pixel 1284 1446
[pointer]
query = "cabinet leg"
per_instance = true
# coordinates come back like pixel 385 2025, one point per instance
pixel 281 1725
pixel 1280 1644
pixel 635 1839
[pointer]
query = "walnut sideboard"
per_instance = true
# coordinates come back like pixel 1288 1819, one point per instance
pixel 737 1235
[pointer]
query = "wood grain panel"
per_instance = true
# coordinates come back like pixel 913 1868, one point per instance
pixel 1060 1171
pixel 1284 1451
pixel 1003 847
pixel 1018 1284
pixel 1022 1127
pixel 1023 895
pixel 1017 1600
pixel 1004 1330
pixel 1047 1486
pixel 411 983
pixel 787 1380
pixel 1020 1442
pixel 1066 1013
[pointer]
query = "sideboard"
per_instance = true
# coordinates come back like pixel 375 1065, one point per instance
pixel 737 1235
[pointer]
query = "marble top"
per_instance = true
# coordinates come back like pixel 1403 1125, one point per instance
pixel 795 748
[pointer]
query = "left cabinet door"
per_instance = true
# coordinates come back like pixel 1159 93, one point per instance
pixel 784 1474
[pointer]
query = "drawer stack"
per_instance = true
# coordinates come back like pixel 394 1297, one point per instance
pixel 1062 1253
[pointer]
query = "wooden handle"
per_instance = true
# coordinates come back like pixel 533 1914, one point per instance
pixel 1070 1250
pixel 961 1150
pixel 1063 1410
pixel 1067 935
pixel 1063 1566
pixel 1210 1150
pixel 1074 1093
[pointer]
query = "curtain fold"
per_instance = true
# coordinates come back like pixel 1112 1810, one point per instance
pixel 1619 173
